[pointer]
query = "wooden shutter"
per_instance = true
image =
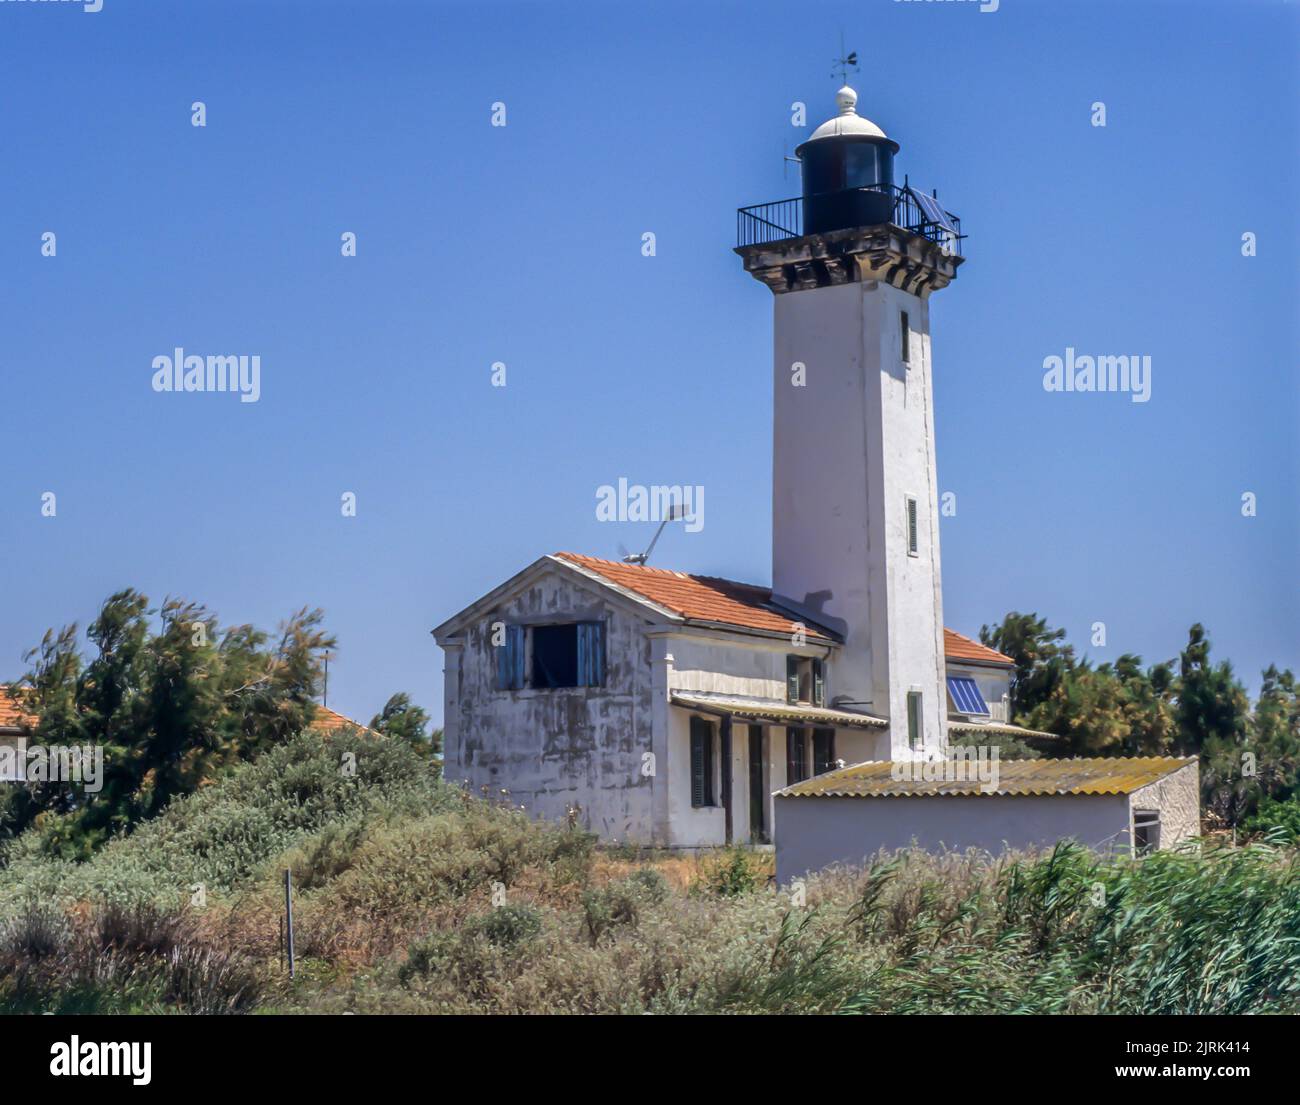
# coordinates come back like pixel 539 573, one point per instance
pixel 912 542
pixel 591 654
pixel 701 762
pixel 792 679
pixel 819 684
pixel 510 659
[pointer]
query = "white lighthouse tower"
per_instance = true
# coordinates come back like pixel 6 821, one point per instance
pixel 855 519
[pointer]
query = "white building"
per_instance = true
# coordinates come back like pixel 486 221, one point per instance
pixel 667 708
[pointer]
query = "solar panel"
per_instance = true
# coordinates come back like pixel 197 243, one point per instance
pixel 966 695
pixel 932 211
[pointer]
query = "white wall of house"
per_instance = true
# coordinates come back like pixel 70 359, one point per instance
pixel 817 832
pixel 849 448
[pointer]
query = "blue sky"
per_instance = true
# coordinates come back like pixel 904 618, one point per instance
pixel 521 244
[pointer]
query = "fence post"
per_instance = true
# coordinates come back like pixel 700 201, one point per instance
pixel 288 916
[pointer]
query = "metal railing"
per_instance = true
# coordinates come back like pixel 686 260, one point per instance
pixel 780 219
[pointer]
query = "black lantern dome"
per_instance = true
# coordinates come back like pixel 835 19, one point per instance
pixel 848 171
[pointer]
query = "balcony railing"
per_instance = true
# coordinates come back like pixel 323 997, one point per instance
pixel 773 222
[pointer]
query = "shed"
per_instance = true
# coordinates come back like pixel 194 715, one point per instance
pixel 847 816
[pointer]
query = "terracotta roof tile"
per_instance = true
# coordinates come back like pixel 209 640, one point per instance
pixel 326 720
pixel 12 713
pixel 700 598
pixel 744 605
pixel 957 647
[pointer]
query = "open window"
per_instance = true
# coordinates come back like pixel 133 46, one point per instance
pixel 1146 831
pixel 805 680
pixel 569 655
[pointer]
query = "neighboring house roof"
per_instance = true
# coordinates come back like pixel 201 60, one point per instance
pixel 1014 777
pixel 726 602
pixel 1007 728
pixel 326 720
pixel 14 717
pixel 958 647
pixel 765 709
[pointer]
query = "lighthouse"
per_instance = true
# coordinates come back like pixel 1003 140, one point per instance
pixel 852 264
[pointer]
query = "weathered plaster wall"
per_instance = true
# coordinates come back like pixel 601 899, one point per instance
pixel 813 833
pixel 552 749
pixel 1178 798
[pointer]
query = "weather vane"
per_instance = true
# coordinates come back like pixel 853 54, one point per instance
pixel 844 62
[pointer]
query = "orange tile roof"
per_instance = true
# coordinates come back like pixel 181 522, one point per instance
pixel 12 713
pixel 745 605
pixel 326 720
pixel 700 598
pixel 957 647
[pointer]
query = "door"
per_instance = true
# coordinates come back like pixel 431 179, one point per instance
pixel 757 792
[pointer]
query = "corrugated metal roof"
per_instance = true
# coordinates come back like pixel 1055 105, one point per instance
pixel 1111 775
pixel 768 709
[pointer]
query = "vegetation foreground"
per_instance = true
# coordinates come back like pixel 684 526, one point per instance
pixel 396 876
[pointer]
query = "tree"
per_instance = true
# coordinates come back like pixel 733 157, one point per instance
pixel 1041 663
pixel 170 701
pixel 403 720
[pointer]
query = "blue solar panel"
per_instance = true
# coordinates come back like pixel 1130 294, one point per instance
pixel 932 211
pixel 966 695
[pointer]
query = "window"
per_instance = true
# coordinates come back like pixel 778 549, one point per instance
pixel 905 330
pixel 571 655
pixel 914 737
pixel 510 659
pixel 823 751
pixel 796 756
pixel 702 734
pixel 1146 831
pixel 966 697
pixel 805 680
pixel 912 541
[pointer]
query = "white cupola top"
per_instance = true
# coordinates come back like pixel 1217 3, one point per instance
pixel 848 121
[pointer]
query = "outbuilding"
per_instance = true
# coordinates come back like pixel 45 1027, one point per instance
pixel 845 817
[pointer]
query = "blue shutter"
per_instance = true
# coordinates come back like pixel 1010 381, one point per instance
pixel 515 640
pixel 510 659
pixel 591 654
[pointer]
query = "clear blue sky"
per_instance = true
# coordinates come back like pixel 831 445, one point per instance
pixel 522 244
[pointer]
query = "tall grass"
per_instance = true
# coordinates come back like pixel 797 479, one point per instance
pixel 414 897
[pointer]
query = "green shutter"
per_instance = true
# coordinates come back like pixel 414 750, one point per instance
pixel 819 684
pixel 792 679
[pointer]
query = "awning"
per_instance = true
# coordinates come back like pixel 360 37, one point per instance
pixel 770 709
pixel 1004 728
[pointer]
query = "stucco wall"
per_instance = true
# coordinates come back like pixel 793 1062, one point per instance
pixel 812 833
pixel 849 448
pixel 1178 798
pixel 551 749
